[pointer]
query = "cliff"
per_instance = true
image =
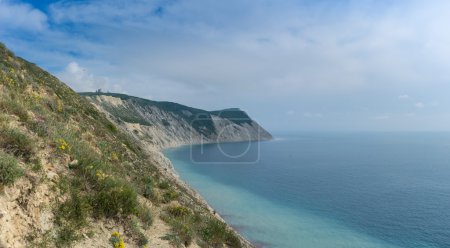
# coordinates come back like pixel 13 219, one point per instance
pixel 70 177
pixel 168 124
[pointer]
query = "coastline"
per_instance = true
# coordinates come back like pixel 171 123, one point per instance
pixel 166 167
pixel 155 139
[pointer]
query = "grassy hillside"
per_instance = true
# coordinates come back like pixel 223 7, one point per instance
pixel 200 119
pixel 94 173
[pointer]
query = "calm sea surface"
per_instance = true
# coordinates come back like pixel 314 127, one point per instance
pixel 328 190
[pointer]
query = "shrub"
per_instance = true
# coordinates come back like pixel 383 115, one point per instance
pixel 214 232
pixel 174 239
pixel 111 127
pixel 147 188
pixel 17 143
pixel 14 107
pixel 9 169
pixel 169 196
pixel 178 211
pixel 145 216
pixel 164 185
pixel 114 197
pixel 141 240
pixel 36 164
pixel 232 240
pixel 65 237
pixel 38 127
pixel 184 232
pixel 135 231
pixel 75 210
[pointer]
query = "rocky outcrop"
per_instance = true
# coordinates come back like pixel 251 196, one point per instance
pixel 167 124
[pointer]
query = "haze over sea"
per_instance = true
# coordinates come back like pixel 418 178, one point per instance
pixel 328 189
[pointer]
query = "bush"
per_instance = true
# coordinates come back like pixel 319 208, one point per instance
pixel 135 231
pixel 214 232
pixel 111 127
pixel 17 143
pixel 184 232
pixel 164 185
pixel 114 197
pixel 169 196
pixel 36 165
pixel 178 211
pixel 14 107
pixel 75 210
pixel 9 169
pixel 147 188
pixel 145 216
pixel 38 127
pixel 65 237
pixel 232 240
pixel 141 240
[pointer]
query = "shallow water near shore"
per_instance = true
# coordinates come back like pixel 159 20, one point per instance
pixel 328 189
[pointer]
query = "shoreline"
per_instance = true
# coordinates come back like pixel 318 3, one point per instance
pixel 166 167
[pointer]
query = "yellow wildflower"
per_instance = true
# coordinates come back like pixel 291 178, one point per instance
pixel 114 156
pixel 62 144
pixel 100 175
pixel 36 96
pixel 116 240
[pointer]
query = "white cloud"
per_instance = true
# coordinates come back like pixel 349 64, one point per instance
pixel 269 55
pixel 419 105
pixel 21 16
pixel 81 80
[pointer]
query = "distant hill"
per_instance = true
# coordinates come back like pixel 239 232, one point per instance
pixel 167 124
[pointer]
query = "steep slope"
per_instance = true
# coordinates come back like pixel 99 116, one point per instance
pixel 166 124
pixel 70 177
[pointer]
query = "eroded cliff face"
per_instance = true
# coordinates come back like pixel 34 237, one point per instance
pixel 69 177
pixel 166 124
pixel 159 125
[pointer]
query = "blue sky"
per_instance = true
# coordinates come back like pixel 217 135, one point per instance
pixel 293 65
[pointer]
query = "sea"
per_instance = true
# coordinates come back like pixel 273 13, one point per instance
pixel 323 190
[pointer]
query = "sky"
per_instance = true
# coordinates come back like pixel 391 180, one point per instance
pixel 323 65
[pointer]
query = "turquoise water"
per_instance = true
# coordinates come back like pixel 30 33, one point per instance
pixel 328 190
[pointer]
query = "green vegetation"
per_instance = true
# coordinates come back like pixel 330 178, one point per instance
pixel 169 195
pixel 117 240
pixel 145 216
pixel 9 169
pixel 17 143
pixel 102 172
pixel 12 106
pixel 187 225
pixel 147 188
pixel 200 120
pixel 215 232
pixel 113 198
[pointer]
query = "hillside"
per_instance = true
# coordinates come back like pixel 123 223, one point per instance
pixel 167 124
pixel 70 177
